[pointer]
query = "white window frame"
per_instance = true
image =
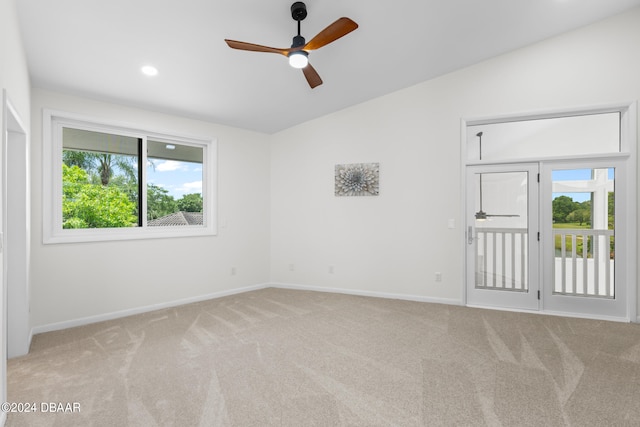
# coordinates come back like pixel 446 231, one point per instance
pixel 53 233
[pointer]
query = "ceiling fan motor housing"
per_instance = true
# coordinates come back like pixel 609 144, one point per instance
pixel 298 11
pixel 298 41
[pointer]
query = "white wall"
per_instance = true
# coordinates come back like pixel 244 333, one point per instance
pixel 394 243
pixel 85 280
pixel 14 76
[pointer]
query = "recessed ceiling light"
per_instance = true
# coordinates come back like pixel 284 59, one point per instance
pixel 170 147
pixel 149 70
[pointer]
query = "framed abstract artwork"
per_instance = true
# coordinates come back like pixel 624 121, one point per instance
pixel 357 179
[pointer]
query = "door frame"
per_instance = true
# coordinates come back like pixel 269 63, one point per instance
pixel 628 150
pixel 16 232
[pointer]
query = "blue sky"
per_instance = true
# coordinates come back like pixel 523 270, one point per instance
pixel 179 178
pixel 575 175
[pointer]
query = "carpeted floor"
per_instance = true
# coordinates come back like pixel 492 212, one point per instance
pixel 279 357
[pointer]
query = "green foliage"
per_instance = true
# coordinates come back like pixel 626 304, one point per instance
pixel 75 222
pixel 159 202
pixel 564 210
pixel 562 206
pixel 580 216
pixel 101 190
pixel 85 205
pixel 612 210
pixel 101 165
pixel 190 203
pixel 82 159
pixel 568 242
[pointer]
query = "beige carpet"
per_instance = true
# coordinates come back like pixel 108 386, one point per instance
pixel 295 358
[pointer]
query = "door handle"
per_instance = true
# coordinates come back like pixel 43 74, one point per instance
pixel 470 235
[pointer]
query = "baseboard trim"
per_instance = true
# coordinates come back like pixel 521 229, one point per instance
pixel 3 418
pixel 554 313
pixel 29 342
pixel 586 316
pixel 145 309
pixel 358 292
pixel 138 310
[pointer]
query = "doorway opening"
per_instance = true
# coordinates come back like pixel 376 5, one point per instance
pixel 549 208
pixel 15 231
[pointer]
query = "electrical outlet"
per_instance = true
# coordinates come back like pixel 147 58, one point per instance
pixel 438 276
pixel 233 271
pixel 292 267
pixel 331 269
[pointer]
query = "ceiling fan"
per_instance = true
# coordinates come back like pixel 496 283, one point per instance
pixel 298 53
pixel 482 215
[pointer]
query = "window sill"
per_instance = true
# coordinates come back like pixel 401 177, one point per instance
pixel 112 234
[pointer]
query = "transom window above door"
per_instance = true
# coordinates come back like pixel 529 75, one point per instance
pixel 578 135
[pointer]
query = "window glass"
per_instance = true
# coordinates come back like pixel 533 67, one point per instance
pixel 174 184
pixel 583 212
pixel 548 137
pixel 100 183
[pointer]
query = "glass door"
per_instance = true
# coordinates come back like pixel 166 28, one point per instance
pixel 584 249
pixel 502 236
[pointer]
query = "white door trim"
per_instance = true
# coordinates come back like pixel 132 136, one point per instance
pixel 628 149
pixel 16 230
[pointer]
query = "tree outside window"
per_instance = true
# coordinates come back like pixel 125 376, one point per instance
pixel 101 181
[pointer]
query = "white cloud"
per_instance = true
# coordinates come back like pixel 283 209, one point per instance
pixel 193 187
pixel 169 166
pixel 188 188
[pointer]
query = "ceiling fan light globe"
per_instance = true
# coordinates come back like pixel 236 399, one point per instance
pixel 298 59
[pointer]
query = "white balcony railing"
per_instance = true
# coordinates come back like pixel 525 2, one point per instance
pixel 583 263
pixel 502 259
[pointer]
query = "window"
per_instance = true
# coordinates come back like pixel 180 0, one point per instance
pixel 578 135
pixel 104 182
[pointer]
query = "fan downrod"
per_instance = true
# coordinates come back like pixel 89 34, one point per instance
pixel 298 13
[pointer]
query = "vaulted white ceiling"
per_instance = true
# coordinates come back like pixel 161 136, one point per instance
pixel 96 49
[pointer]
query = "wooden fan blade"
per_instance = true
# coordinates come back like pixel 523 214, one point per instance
pixel 234 44
pixel 312 76
pixel 333 32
